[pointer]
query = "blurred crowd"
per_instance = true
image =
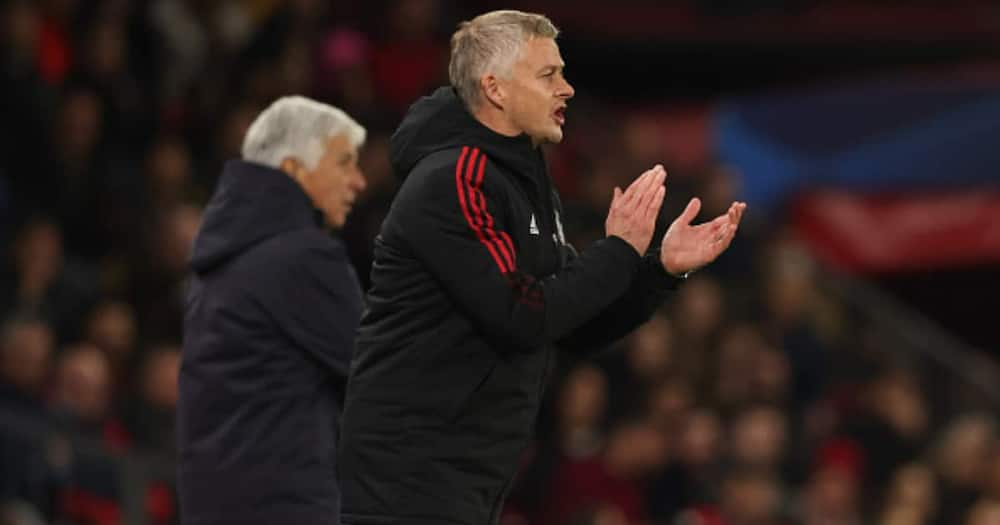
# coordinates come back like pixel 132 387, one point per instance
pixel 753 398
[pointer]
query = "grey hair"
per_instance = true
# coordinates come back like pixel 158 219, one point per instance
pixel 297 127
pixel 490 43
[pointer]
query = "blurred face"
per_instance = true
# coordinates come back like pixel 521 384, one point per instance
pixel 336 181
pixel 700 438
pixel 967 447
pixel 162 370
pixel 752 499
pixel 772 374
pixel 107 49
pixel 39 250
pixel 83 384
pixel 22 21
pixel 635 449
pixel 169 168
pixel 669 403
pixel 112 328
pixel 80 126
pixel 177 235
pixel 535 95
pixel 900 403
pixel 650 352
pixel 985 512
pixel 583 397
pixel 24 357
pixel 913 487
pixel 759 437
pixel 700 307
pixel 832 491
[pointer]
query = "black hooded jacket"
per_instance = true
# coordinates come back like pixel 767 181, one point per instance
pixel 473 287
pixel 271 315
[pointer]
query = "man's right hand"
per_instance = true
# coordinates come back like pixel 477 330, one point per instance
pixel 633 212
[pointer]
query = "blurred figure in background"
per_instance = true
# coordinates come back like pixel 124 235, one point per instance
pixel 409 61
pixel 111 326
pixel 912 497
pixel 159 279
pixel 19 513
pixel 963 455
pixel 792 323
pixel 692 476
pixel 832 496
pixel 698 315
pixel 81 393
pixel 41 281
pixel 759 437
pixel 891 429
pixel 735 375
pixel 581 410
pixel 26 346
pixel 985 512
pixel 153 418
pixel 647 357
pixel 81 401
pixel 669 403
pixel 271 313
pixel 615 479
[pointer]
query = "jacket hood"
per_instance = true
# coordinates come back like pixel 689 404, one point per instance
pixel 441 121
pixel 251 204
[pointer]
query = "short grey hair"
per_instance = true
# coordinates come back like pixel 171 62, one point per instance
pixel 490 43
pixel 297 127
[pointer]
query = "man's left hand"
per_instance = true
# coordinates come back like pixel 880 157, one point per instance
pixel 686 248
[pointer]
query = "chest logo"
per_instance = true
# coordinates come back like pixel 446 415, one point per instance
pixel 533 229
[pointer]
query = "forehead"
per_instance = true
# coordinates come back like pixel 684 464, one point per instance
pixel 540 52
pixel 339 144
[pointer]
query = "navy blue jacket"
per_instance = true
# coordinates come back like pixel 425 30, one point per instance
pixel 270 320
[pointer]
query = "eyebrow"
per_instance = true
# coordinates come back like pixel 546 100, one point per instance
pixel 552 67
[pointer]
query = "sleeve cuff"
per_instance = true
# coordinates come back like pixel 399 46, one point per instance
pixel 623 250
pixel 659 278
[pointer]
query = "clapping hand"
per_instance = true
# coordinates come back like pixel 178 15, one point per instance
pixel 686 248
pixel 633 212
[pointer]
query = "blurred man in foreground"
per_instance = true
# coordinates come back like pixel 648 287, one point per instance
pixel 474 286
pixel 270 320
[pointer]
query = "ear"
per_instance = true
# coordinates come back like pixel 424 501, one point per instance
pixel 293 168
pixel 493 91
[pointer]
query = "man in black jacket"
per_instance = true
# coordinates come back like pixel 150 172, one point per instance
pixel 270 321
pixel 473 285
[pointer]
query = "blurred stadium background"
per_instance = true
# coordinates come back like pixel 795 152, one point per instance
pixel 838 366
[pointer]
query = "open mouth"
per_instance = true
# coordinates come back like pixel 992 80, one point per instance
pixel 560 116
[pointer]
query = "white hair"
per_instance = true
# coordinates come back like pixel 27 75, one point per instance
pixel 491 43
pixel 297 127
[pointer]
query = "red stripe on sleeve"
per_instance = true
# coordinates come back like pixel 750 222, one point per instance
pixel 510 244
pixel 465 209
pixel 474 189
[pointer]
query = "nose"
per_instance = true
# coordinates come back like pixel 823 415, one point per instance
pixel 359 180
pixel 566 91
